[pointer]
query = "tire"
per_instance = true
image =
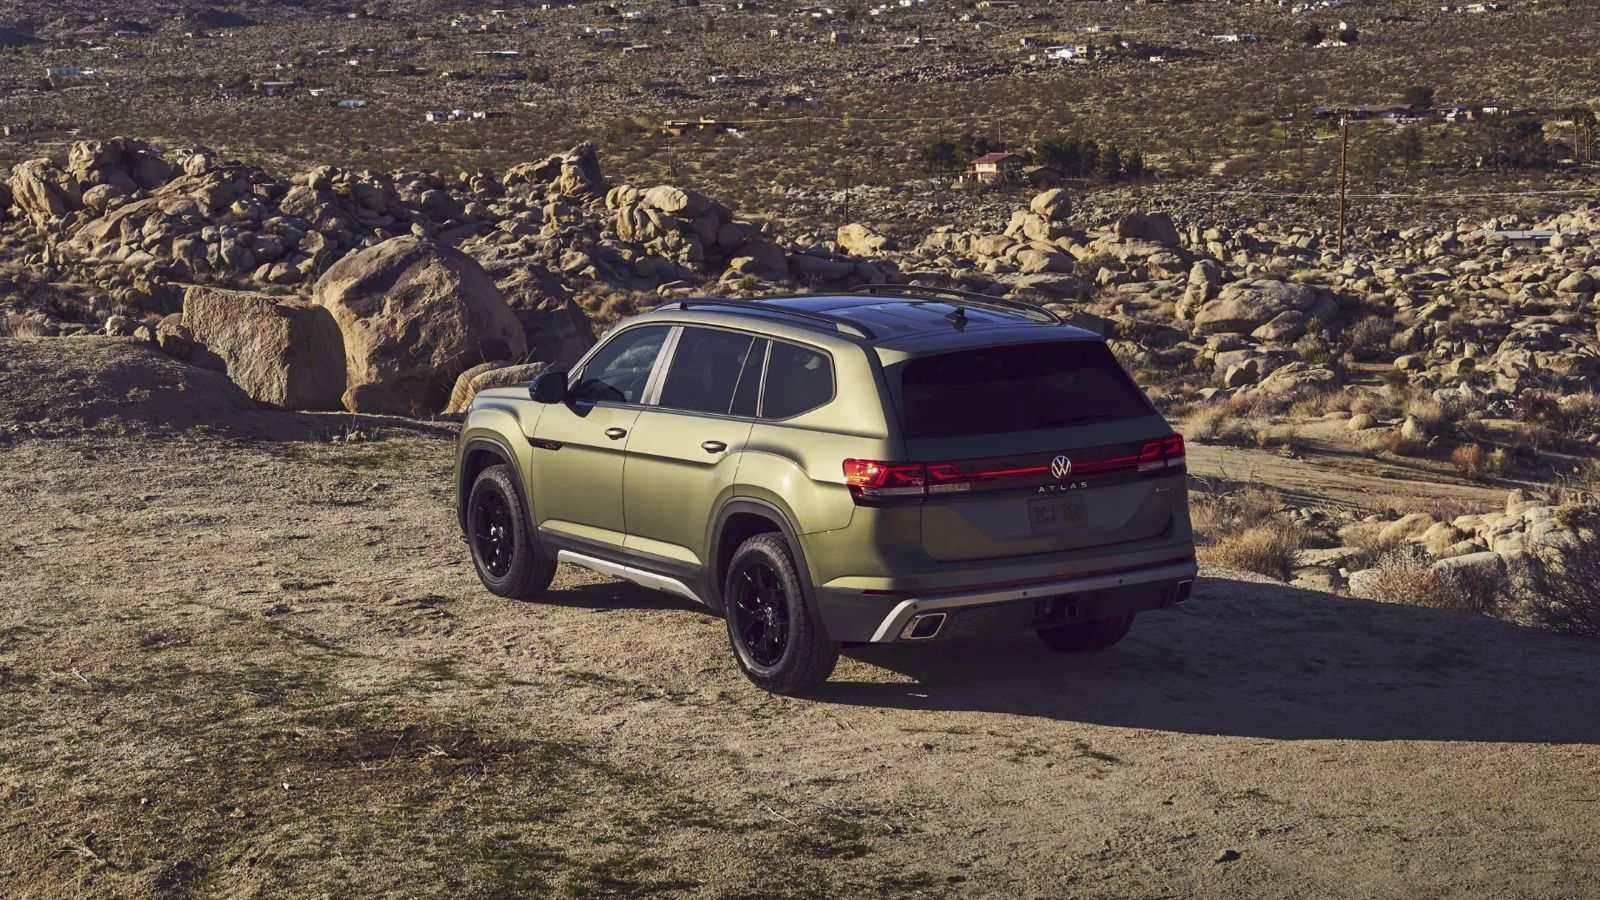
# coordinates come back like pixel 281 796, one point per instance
pixel 501 541
pixel 775 641
pixel 1082 637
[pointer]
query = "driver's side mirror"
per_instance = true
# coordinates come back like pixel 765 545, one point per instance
pixel 549 387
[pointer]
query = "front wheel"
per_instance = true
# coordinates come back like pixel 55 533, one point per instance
pixel 503 549
pixel 775 641
pixel 1081 637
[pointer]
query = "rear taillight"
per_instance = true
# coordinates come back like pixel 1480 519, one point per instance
pixel 869 479
pixel 872 482
pixel 1162 454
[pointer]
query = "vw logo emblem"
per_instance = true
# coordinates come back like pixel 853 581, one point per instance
pixel 1060 467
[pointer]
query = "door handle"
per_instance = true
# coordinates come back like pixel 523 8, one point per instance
pixel 713 446
pixel 616 434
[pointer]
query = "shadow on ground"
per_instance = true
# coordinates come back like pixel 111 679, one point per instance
pixel 1265 660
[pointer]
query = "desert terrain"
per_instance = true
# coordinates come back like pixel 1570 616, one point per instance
pixel 240 658
pixel 257 258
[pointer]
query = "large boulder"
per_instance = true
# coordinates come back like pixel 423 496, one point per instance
pixel 43 191
pixel 414 314
pixel 1054 204
pixel 1244 306
pixel 860 240
pixel 676 201
pixel 488 375
pixel 1145 226
pixel 579 174
pixel 288 354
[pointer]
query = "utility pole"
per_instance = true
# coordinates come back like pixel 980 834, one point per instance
pixel 1344 152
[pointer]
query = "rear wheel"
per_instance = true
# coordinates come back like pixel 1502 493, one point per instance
pixel 775 641
pixel 1081 637
pixel 503 550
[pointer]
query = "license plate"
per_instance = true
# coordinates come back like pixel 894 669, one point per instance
pixel 1049 515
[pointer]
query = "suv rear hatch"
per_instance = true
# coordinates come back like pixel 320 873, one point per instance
pixel 1031 448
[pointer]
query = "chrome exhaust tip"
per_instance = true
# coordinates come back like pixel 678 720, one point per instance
pixel 1181 593
pixel 923 627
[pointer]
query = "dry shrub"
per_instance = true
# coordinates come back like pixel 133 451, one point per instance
pixel 1267 549
pixel 1247 530
pixel 1406 575
pixel 1538 407
pixel 1311 406
pixel 1428 412
pixel 12 325
pixel 1219 422
pixel 1561 586
pixel 1476 461
pixel 1387 403
pixel 1393 442
pixel 1370 336
pixel 1284 437
pixel 607 306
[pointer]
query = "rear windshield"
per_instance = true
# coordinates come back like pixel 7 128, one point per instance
pixel 1020 387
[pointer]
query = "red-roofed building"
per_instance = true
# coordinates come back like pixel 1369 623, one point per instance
pixel 993 168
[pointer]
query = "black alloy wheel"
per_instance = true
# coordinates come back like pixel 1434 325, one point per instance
pixel 493 537
pixel 761 613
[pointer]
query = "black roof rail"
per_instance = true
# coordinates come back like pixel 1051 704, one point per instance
pixel 838 323
pixel 971 298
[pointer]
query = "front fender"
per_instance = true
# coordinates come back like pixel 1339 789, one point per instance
pixel 501 428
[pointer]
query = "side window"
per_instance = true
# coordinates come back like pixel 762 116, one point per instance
pixel 705 370
pixel 620 370
pixel 798 380
pixel 748 393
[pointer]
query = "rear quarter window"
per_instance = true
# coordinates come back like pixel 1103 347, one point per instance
pixel 1018 387
pixel 798 380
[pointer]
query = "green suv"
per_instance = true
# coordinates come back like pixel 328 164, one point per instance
pixel 825 471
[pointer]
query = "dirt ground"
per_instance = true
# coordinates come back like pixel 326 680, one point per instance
pixel 240 659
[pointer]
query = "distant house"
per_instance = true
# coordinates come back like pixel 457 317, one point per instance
pixel 1070 53
pixel 62 72
pixel 319 93
pixel 352 104
pixel 274 88
pixel 681 127
pixel 720 78
pixel 997 168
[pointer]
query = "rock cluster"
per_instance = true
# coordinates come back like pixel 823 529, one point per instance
pixel 1250 308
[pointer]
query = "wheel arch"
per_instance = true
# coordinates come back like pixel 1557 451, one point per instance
pixel 741 519
pixel 477 454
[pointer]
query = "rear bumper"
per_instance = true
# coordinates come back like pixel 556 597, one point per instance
pixel 858 617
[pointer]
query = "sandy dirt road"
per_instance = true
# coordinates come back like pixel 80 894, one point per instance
pixel 247 663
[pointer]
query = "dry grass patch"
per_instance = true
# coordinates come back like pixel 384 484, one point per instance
pixel 1477 462
pixel 1407 576
pixel 1394 442
pixel 1246 529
